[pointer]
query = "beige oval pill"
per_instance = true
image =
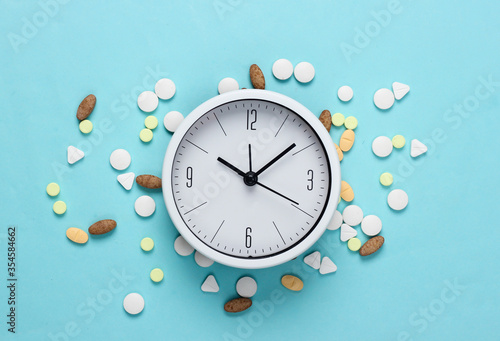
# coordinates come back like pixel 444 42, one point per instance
pixel 346 140
pixel 292 282
pixel 339 152
pixel 77 235
pixel 346 191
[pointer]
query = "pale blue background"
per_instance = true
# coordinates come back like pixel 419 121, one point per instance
pixel 447 233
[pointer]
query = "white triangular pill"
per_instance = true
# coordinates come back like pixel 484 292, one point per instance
pixel 417 148
pixel 126 180
pixel 210 285
pixel 327 266
pixel 313 260
pixel 74 155
pixel 347 232
pixel 400 90
pixel 336 221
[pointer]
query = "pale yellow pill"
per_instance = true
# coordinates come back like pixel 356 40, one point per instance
pixel 339 152
pixel 53 189
pixel 59 207
pixel 351 122
pixel 338 119
pixel 346 191
pixel 151 122
pixel 347 140
pixel 77 235
pixel 147 244
pixel 156 275
pixel 354 244
pixel 146 135
pixel 398 141
pixel 86 126
pixel 291 282
pixel 386 179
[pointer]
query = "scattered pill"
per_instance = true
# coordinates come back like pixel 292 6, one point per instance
pixel 345 93
pixel 77 235
pixel 228 84
pixel 382 146
pixel 85 126
pixel 327 266
pixel 202 260
pixel 398 141
pixel 74 155
pixel 145 206
pixel 238 305
pixel 257 77
pixel 371 225
pixel 146 135
pixel 338 119
pixel 120 159
pixel 347 232
pixel 351 122
pixel 156 275
pixel 182 247
pixel 340 153
pixel 282 69
pixel 165 88
pixel 383 99
pixel 86 107
pixel 53 189
pixel 210 284
pixel 417 148
pixel 172 120
pixel 59 207
pixel 352 215
pixel 386 179
pixel 126 180
pixel 246 287
pixel 147 244
pixel 147 101
pixel 400 90
pixel 102 226
pixel 133 303
pixel 304 72
pixel 354 244
pixel 148 181
pixel 313 260
pixel 326 119
pixel 346 191
pixel 347 140
pixel 336 221
pixel 372 245
pixel 397 199
pixel 151 122
pixel 292 283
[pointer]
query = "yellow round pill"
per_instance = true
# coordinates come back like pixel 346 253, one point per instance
pixel 59 207
pixel 86 126
pixel 156 275
pixel 146 135
pixel 398 141
pixel 351 122
pixel 338 119
pixel 386 179
pixel 53 189
pixel 147 244
pixel 354 244
pixel 151 122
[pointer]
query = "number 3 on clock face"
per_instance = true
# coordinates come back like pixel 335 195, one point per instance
pixel 251 178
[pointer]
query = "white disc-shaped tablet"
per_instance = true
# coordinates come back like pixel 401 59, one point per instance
pixel 182 247
pixel 383 98
pixel 145 206
pixel 133 303
pixel 172 120
pixel 371 225
pixel 382 146
pixel 202 261
pixel 120 159
pixel 165 88
pixel 246 287
pixel 345 93
pixel 352 215
pixel 282 69
pixel 304 72
pixel 397 199
pixel 147 101
pixel 336 221
pixel 228 84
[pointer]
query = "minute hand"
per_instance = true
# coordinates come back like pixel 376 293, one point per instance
pixel 269 164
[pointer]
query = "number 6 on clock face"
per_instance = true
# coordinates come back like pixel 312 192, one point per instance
pixel 251 178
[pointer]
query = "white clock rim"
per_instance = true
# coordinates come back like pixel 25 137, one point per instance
pixel 272 260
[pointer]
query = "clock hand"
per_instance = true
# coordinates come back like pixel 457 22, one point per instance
pixel 270 163
pixel 227 164
pixel 250 156
pixel 281 195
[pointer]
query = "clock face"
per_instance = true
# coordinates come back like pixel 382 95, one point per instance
pixel 250 179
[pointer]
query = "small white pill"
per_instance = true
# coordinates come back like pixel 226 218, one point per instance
pixel 282 69
pixel 347 232
pixel 304 72
pixel 246 287
pixel 120 159
pixel 327 266
pixel 313 260
pixel 345 93
pixel 371 225
pixel 202 261
pixel 172 120
pixel 133 303
pixel 335 222
pixel 74 155
pixel 352 215
pixel 382 146
pixel 182 247
pixel 210 284
pixel 383 98
pixel 165 88
pixel 145 206
pixel 147 101
pixel 228 84
pixel 397 199
pixel 417 148
pixel 400 90
pixel 126 180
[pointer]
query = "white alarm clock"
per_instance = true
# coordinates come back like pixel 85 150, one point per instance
pixel 251 179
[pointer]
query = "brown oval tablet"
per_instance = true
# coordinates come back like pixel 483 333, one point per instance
pixel 77 235
pixel 257 77
pixel 339 152
pixel 346 191
pixel 86 107
pixel 148 181
pixel 371 246
pixel 238 304
pixel 102 226
pixel 291 282
pixel 326 119
pixel 347 140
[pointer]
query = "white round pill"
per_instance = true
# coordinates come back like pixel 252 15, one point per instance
pixel 133 303
pixel 145 206
pixel 345 93
pixel 202 261
pixel 397 199
pixel 228 84
pixel 383 98
pixel 371 225
pixel 172 120
pixel 246 287
pixel 352 215
pixel 165 88
pixel 304 72
pixel 147 101
pixel 182 247
pixel 282 69
pixel 120 159
pixel 336 221
pixel 382 146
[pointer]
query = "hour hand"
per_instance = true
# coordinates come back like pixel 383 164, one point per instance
pixel 230 166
